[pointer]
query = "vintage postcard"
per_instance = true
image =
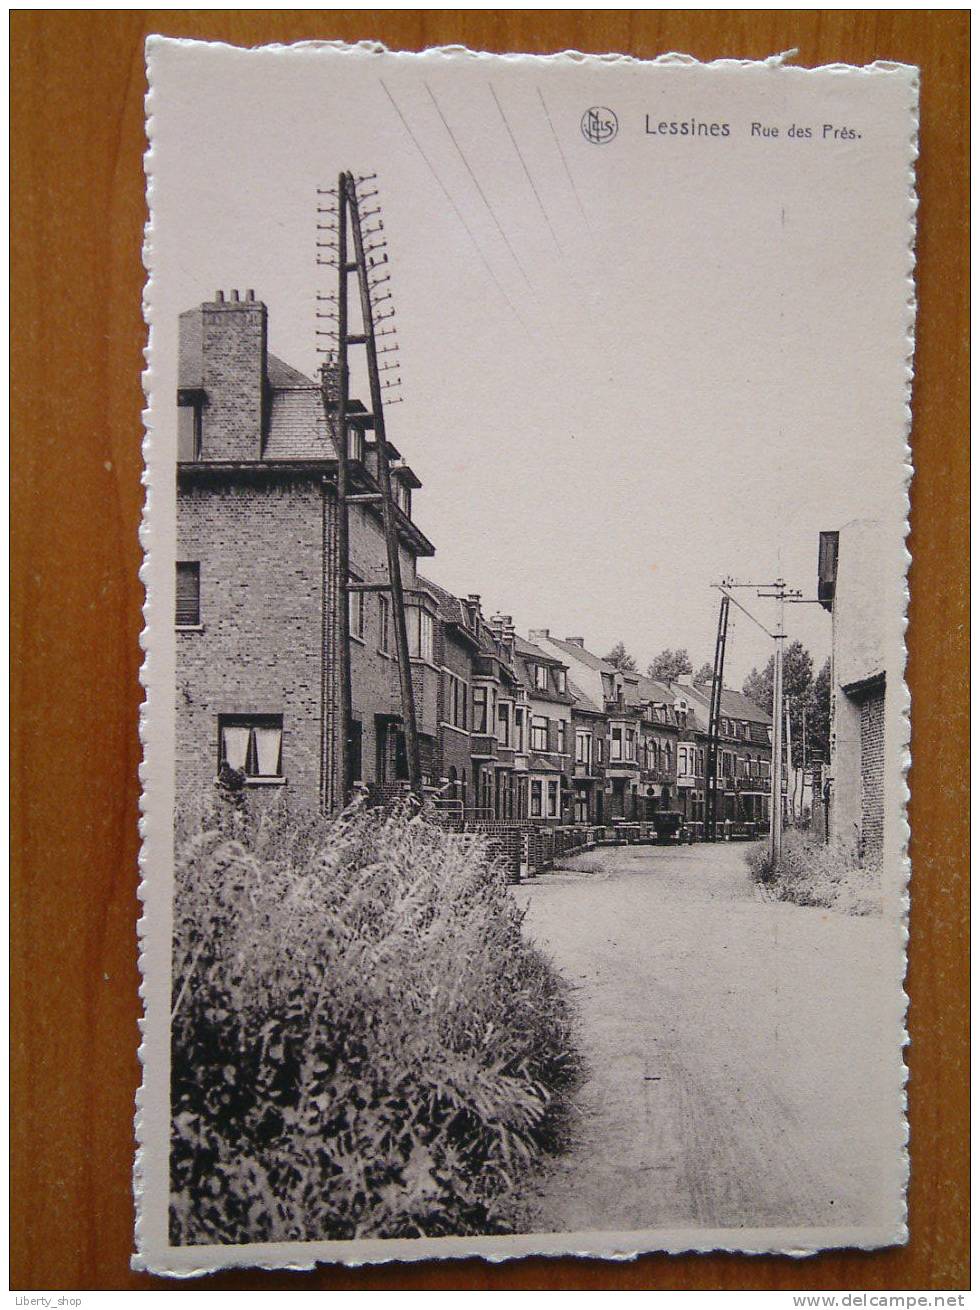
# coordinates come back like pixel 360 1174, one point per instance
pixel 524 841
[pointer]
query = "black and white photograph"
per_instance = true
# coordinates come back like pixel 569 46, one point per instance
pixel 524 840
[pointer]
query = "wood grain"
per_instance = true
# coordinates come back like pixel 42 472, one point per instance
pixel 77 216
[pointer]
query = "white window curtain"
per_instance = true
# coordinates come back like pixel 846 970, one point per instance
pixel 235 745
pixel 268 742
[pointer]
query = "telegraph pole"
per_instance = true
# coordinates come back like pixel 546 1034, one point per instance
pixel 387 506
pixel 776 780
pixel 714 721
pixel 782 593
pixel 348 228
pixel 337 312
pixel 777 590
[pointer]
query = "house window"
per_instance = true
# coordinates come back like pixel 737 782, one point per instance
pixel 562 680
pixel 188 432
pixel 581 806
pixel 355 612
pixel 355 444
pixel 403 497
pixel 539 733
pixel 616 750
pixel 552 800
pixel 682 759
pixel 455 700
pixel 599 749
pixel 188 594
pixel 423 630
pixel 479 709
pixel 541 677
pixel 562 736
pixel 536 797
pixel 630 744
pixel 583 748
pixel 518 728
pixel 251 744
pixel 503 723
pixel 384 616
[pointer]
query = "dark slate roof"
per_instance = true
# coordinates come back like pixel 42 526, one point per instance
pixel 284 376
pixel 449 608
pixel 528 650
pixel 298 426
pixel 650 689
pixel 582 655
pixel 734 705
pixel 190 359
pixel 583 700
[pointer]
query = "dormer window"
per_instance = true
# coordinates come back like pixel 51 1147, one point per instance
pixel 541 677
pixel 355 443
pixel 562 681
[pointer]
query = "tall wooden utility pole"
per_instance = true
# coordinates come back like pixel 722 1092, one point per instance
pixel 387 505
pixel 714 724
pixel 779 591
pixel 349 231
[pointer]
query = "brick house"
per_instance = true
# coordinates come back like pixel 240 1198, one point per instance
pixel 548 743
pixel 744 753
pixel 589 731
pixel 455 647
pixel 849 582
pixel 256 586
pixel 658 746
pixel 626 711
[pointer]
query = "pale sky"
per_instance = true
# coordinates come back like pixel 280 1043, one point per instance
pixel 629 369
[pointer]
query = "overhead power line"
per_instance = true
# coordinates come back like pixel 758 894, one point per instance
pixel 527 171
pixel 476 182
pixel 456 209
pixel 564 160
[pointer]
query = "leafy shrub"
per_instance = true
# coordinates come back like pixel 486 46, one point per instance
pixel 363 1042
pixel 814 873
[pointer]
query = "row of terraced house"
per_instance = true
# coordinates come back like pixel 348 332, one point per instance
pixel 512 730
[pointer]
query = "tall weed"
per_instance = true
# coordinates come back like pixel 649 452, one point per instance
pixel 814 873
pixel 363 1042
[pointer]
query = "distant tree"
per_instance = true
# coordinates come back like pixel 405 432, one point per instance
pixel 818 713
pixel 797 690
pixel 705 673
pixel 758 686
pixel 669 664
pixel 620 658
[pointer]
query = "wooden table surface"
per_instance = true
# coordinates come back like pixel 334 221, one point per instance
pixel 78 214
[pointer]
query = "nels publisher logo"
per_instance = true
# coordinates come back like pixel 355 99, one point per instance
pixel 599 125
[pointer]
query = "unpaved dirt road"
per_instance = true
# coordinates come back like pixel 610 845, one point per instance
pixel 734 1047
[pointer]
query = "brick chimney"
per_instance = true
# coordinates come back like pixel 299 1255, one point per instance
pixel 539 634
pixel 330 379
pixel 576 641
pixel 230 333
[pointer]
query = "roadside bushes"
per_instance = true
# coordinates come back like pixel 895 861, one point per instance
pixel 813 873
pixel 363 1043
